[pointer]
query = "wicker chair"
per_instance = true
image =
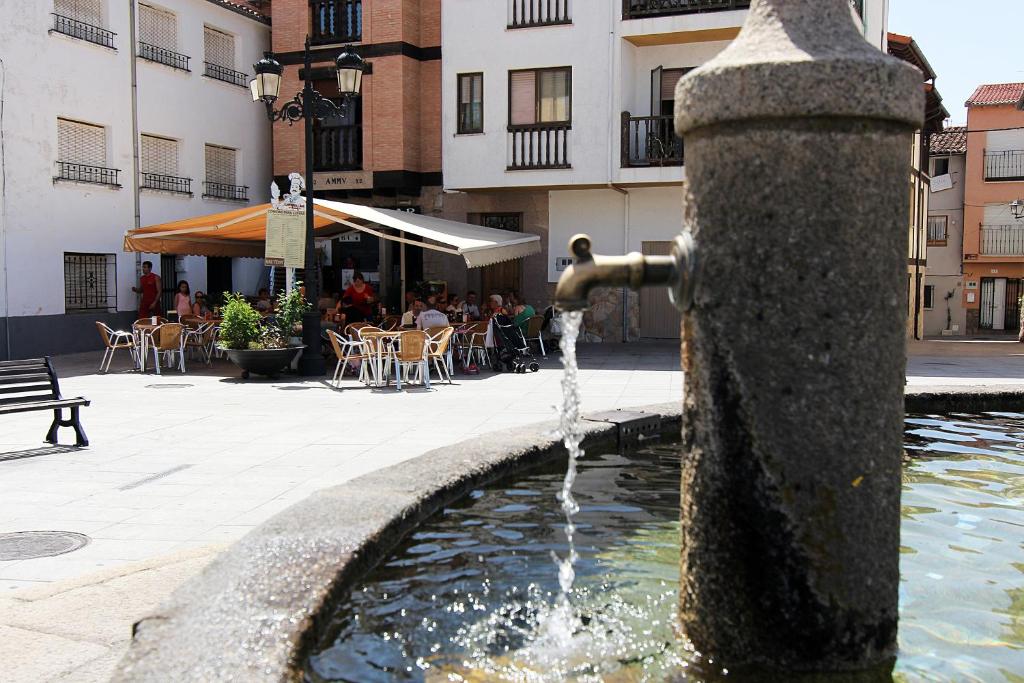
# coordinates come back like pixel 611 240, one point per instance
pixel 199 339
pixel 168 339
pixel 534 332
pixel 473 339
pixel 391 323
pixel 439 351
pixel 411 354
pixel 112 341
pixel 346 351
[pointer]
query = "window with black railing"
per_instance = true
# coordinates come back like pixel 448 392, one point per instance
pixel 214 190
pixel 1004 165
pixel 86 173
pixel 528 13
pixel 222 73
pixel 161 55
pixel 90 282
pixel 336 21
pixel 82 30
pixel 166 183
pixel 650 141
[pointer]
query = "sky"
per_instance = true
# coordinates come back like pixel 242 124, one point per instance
pixel 967 42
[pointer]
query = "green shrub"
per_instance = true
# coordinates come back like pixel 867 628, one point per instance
pixel 240 326
pixel 289 310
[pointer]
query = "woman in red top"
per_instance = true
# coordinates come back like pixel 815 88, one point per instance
pixel 359 295
pixel 149 287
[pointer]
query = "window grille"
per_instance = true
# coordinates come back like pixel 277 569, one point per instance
pixel 159 155
pixel 937 228
pixel 86 11
pixel 90 282
pixel 220 47
pixel 81 143
pixel 220 164
pixel 158 27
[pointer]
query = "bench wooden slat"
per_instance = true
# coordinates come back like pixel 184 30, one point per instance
pixel 21 379
pixel 21 369
pixel 42 405
pixel 32 398
pixel 27 389
pixel 25 361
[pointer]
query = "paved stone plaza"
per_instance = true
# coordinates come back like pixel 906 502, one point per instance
pixel 181 465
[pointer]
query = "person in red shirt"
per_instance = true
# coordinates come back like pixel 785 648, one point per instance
pixel 359 296
pixel 149 288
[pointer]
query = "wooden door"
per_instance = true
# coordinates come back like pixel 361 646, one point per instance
pixel 659 319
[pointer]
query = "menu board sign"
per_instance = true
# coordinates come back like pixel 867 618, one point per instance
pixel 286 239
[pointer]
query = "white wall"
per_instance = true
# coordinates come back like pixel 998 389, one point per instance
pixel 48 75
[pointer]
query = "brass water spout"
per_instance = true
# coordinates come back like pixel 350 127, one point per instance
pixel 634 270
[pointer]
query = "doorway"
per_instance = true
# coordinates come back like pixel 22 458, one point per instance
pixel 504 277
pixel 1000 304
pixel 218 276
pixel 659 319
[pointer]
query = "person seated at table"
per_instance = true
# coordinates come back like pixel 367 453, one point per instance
pixel 454 305
pixel 360 295
pixel 183 300
pixel 409 317
pixel 350 313
pixel 520 311
pixel 431 317
pixel 470 307
pixel 264 304
pixel 495 305
pixel 200 309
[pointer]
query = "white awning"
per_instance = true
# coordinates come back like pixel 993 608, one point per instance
pixel 478 245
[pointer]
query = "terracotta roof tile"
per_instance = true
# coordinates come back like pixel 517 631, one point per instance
pixel 953 140
pixel 997 93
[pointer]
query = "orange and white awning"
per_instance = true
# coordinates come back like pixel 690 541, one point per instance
pixel 242 232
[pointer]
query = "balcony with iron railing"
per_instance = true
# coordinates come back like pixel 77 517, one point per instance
pixel 87 173
pixel 162 55
pixel 83 31
pixel 338 148
pixel 532 13
pixel 216 190
pixel 538 146
pixel 1002 240
pixel 223 73
pixel 650 141
pixel 166 183
pixel 639 9
pixel 336 21
pixel 1004 166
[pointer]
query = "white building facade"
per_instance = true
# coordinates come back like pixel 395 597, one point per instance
pixel 944 312
pixel 92 148
pixel 563 115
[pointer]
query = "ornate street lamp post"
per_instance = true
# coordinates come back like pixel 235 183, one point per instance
pixel 308 105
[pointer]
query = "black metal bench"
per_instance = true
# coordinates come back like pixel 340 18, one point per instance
pixel 28 385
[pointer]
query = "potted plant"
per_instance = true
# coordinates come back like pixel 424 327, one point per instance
pixel 288 311
pixel 253 347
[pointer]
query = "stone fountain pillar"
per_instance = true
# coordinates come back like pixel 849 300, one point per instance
pixel 798 150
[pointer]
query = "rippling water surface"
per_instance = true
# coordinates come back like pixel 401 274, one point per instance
pixel 469 596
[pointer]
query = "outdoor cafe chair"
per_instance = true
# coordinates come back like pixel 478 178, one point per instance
pixel 114 340
pixel 410 355
pixel 474 337
pixel 346 351
pixel 352 328
pixel 168 339
pixel 439 352
pixel 391 323
pixel 198 339
pixel 534 332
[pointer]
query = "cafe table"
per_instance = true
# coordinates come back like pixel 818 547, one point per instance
pixel 381 346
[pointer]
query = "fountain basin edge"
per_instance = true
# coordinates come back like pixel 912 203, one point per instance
pixel 253 612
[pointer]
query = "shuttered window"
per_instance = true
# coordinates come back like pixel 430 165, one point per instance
pixel 471 103
pixel 220 47
pixel 159 155
pixel 220 164
pixel 87 11
pixel 158 27
pixel 81 143
pixel 540 96
pixel 998 214
pixel 1004 140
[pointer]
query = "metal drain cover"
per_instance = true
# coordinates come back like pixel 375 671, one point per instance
pixel 169 386
pixel 27 545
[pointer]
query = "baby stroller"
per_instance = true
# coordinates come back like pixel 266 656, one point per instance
pixel 511 352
